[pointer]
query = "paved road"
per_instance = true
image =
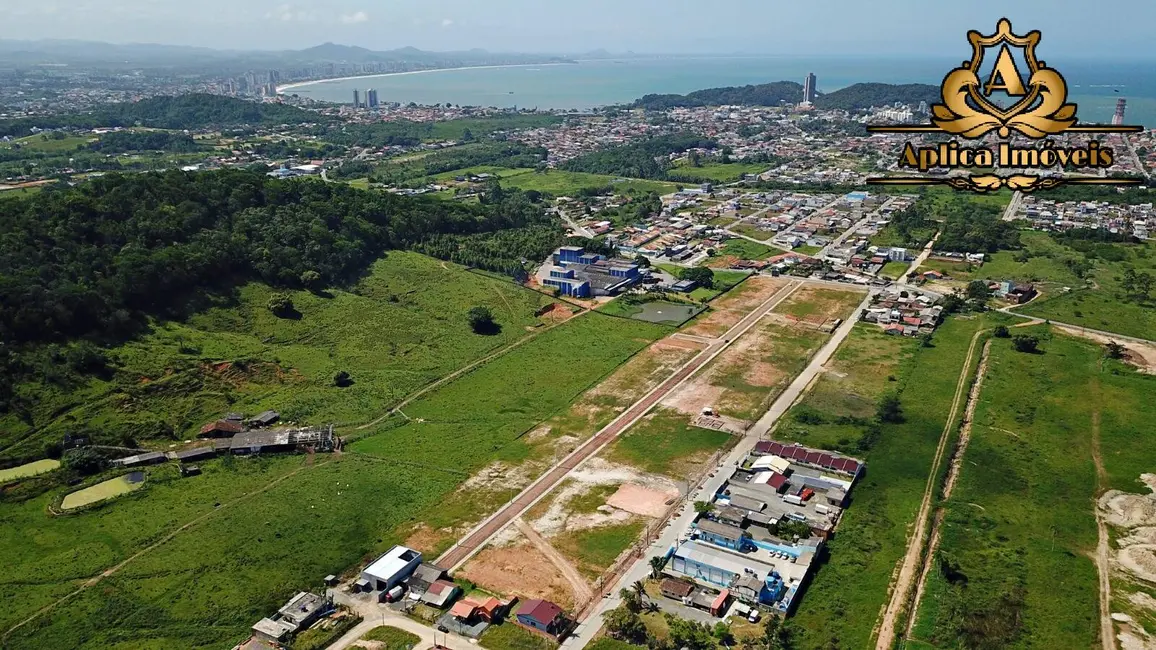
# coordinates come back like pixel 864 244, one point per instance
pixel 1009 214
pixel 480 535
pixel 589 628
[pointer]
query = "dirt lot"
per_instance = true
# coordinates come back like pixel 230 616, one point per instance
pixel 1134 517
pixel 732 307
pixel 640 500
pixel 518 568
pixel 819 305
pixel 747 375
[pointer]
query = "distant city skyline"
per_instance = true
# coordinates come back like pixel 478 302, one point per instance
pixel 834 27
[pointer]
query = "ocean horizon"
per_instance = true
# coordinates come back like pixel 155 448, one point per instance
pixel 1093 85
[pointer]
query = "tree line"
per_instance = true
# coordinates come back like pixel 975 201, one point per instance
pixel 768 94
pixel 125 141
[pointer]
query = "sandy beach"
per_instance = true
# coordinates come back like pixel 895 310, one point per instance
pixel 300 84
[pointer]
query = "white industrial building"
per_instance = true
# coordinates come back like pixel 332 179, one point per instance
pixel 390 569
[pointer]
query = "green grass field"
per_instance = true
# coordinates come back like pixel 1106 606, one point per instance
pixel 724 281
pixel 841 606
pixel 747 250
pixel 595 549
pixel 484 414
pixel 894 270
pixel 561 183
pixel 399 329
pixel 1019 525
pixel 393 638
pixel 752 231
pixel 665 443
pixel 46 144
pixel 20 192
pixel 719 172
pixel 508 636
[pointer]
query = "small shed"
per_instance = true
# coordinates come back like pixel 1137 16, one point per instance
pixel 221 429
pixel 198 453
pixel 148 458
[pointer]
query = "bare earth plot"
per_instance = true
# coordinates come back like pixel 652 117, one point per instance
pixel 732 307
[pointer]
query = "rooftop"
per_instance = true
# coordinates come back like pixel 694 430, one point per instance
pixel 393 562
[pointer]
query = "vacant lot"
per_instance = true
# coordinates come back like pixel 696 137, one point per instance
pixel 819 305
pixel 726 311
pixel 752 231
pixel 665 443
pixel 1014 562
pixel 719 172
pixel 564 183
pixel 843 603
pixel 745 249
pixel 399 329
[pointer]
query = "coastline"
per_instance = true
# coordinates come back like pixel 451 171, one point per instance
pixel 301 84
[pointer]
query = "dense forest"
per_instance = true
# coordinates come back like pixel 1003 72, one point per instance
pixel 195 111
pixel 644 159
pixel 125 141
pixel 97 260
pixel 863 96
pixel 851 98
pixel 770 94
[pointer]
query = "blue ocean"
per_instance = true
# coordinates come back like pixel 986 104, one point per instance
pixel 1093 85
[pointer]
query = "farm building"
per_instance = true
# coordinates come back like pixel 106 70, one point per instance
pixel 148 458
pixel 542 616
pixel 221 429
pixel 676 589
pixel 264 419
pixel 390 569
pixel 197 453
pixel 273 440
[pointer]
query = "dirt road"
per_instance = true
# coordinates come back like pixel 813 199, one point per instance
pixel 582 590
pixel 480 535
pixel 1103 564
pixel 908 570
pixel 949 485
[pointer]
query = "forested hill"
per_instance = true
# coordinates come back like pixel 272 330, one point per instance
pixel 862 96
pixel 195 111
pixel 771 94
pixel 93 261
pixel 851 98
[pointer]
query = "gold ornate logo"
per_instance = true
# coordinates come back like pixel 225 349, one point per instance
pixel 1039 109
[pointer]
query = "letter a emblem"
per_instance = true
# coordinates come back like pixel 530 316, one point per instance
pixel 1005 76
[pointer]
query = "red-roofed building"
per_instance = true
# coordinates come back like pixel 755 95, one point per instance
pixel 542 616
pixel 221 429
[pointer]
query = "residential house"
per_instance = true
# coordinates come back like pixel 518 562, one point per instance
pixel 542 616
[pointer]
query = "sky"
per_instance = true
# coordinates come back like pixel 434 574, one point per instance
pixel 781 27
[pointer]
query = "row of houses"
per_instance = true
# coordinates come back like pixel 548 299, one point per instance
pixel 905 312
pixel 767 524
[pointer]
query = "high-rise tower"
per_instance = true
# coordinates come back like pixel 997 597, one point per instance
pixel 356 98
pixel 809 88
pixel 1118 118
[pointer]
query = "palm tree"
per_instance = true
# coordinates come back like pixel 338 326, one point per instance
pixel 657 563
pixel 639 589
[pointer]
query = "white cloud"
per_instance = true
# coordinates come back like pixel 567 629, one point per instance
pixel 288 14
pixel 446 22
pixel 354 18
